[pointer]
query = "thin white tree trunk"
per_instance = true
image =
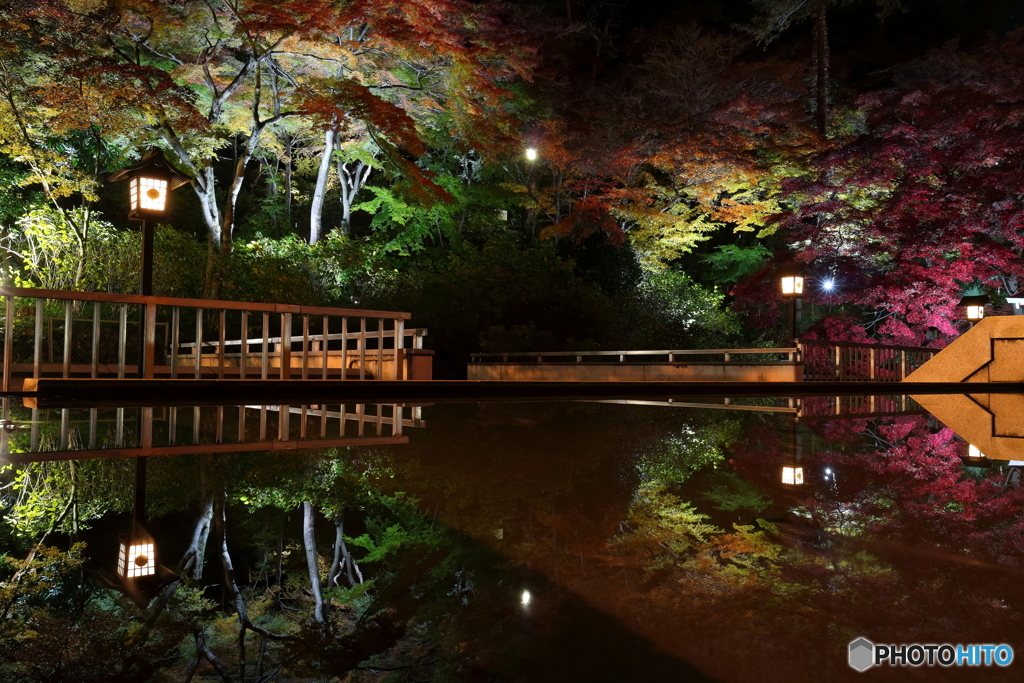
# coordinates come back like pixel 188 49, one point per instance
pixel 317 204
pixel 312 565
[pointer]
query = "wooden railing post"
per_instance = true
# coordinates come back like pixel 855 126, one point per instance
pixel 122 340
pixel 362 349
pixel 37 339
pixel 400 373
pixel 380 348
pixel 222 321
pixel 8 341
pixel 286 346
pixel 149 359
pixel 344 356
pixel 243 352
pixel 66 370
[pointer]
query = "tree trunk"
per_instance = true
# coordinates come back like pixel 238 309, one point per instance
pixel 821 59
pixel 317 203
pixel 352 181
pixel 312 565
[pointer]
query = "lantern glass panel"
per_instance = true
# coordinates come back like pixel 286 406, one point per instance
pixel 150 194
pixel 975 312
pixel 792 285
pixel 973 452
pixel 793 474
pixel 136 559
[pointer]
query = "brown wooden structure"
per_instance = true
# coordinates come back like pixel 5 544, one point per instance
pixel 56 333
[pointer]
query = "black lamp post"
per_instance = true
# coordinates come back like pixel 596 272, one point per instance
pixel 791 283
pixel 150 182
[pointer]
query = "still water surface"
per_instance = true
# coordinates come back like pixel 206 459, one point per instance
pixel 574 541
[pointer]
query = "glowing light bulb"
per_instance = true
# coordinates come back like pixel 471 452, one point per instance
pixel 525 600
pixel 531 154
pixel 829 285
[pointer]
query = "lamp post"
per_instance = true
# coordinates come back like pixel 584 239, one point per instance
pixel 791 284
pixel 149 183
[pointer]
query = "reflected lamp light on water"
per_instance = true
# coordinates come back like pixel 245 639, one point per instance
pixel 974 306
pixel 136 556
pixel 792 475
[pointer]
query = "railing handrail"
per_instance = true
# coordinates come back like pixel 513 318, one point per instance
pixel 679 352
pixel 409 332
pixel 861 345
pixel 198 303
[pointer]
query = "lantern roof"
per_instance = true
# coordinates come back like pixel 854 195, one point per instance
pixel 790 270
pixel 978 300
pixel 153 161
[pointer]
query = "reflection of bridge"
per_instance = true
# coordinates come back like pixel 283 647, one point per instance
pixel 815 408
pixel 83 433
pixel 56 333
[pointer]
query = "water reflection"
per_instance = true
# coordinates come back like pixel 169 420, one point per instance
pixel 526 542
pixel 80 433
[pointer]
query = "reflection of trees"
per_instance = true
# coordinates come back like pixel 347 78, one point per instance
pixel 584 522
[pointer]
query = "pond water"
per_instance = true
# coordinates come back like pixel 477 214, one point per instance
pixel 544 541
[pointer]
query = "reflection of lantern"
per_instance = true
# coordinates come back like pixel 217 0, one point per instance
pixel 973 452
pixel 974 306
pixel 136 557
pixel 793 475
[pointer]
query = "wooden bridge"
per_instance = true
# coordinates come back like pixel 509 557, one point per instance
pixel 809 360
pixel 56 333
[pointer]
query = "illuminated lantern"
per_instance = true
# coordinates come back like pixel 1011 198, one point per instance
pixel 974 306
pixel 136 556
pixel 793 474
pixel 149 182
pixel 973 452
pixel 791 280
pixel 531 154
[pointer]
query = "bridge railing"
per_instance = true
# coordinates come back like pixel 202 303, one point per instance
pixel 59 333
pixel 850 361
pixel 822 360
pixel 676 356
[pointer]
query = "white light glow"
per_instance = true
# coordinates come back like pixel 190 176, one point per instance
pixel 531 154
pixel 975 312
pixel 525 599
pixel 828 470
pixel 829 285
pixel 973 452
